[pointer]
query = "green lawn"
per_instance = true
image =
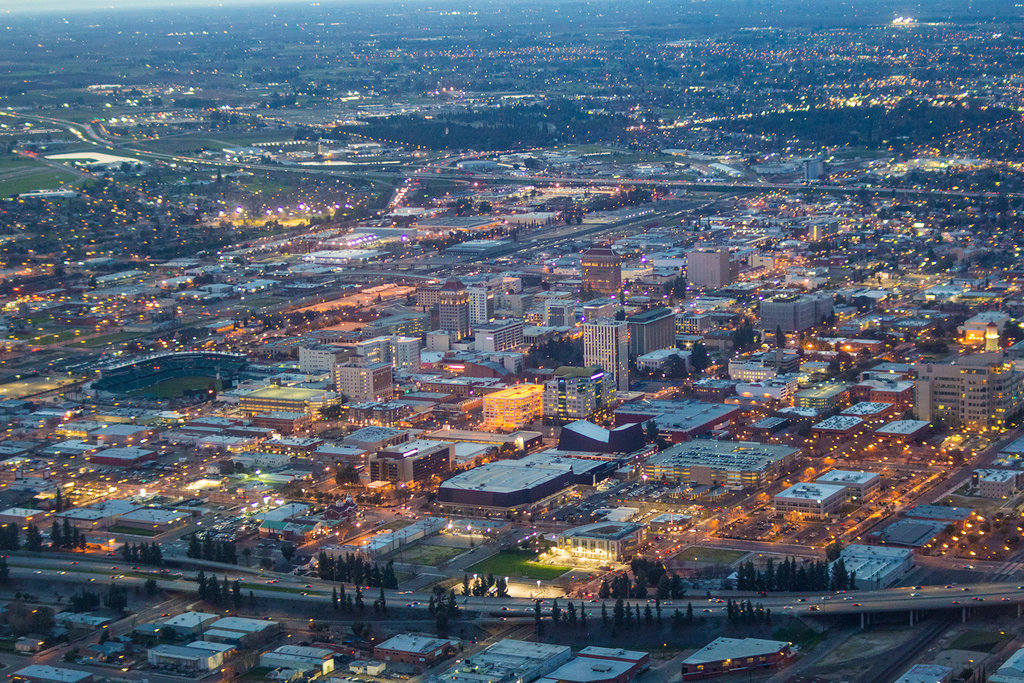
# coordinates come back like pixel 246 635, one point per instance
pixel 133 531
pixel 518 563
pixel 978 641
pixel 429 555
pixel 174 388
pixel 41 178
pixel 710 555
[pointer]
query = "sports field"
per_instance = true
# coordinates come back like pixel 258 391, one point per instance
pixel 518 563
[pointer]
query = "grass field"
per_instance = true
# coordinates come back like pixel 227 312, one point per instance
pixel 429 555
pixel 133 531
pixel 518 563
pixel 174 388
pixel 32 179
pixel 978 641
pixel 34 385
pixel 710 555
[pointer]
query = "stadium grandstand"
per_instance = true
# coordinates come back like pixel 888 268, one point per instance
pixel 149 370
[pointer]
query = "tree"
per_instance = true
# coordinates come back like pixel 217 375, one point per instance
pixel 150 586
pixel 33 539
pixel 117 597
pixel 833 549
pixel 538 625
pixel 699 358
pixel 288 552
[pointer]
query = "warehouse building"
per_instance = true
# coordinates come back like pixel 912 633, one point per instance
pixel 299 658
pixel 503 485
pixel 588 670
pixel 509 661
pixel 420 651
pixel 184 659
pixel 727 655
pixel 41 673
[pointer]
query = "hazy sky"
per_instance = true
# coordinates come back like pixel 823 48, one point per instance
pixel 19 6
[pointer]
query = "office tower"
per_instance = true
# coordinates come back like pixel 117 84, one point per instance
pixel 370 382
pixel 793 312
pixel 575 393
pixel 975 393
pixel 560 313
pixel 481 305
pixel 453 309
pixel 651 330
pixel 606 344
pixel 501 335
pixel 708 268
pixel 601 270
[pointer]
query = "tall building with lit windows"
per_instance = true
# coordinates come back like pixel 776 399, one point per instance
pixel 606 345
pixel 601 270
pixel 513 408
pixel 575 394
pixel 976 393
pixel 453 309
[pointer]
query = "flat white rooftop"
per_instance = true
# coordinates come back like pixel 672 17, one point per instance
pixel 721 649
pixel 806 490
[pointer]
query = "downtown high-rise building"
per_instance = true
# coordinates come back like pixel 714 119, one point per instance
pixel 606 345
pixel 453 309
pixel 601 270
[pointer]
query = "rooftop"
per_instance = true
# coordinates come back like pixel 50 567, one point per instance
pixel 839 423
pixel 407 642
pixel 847 477
pixel 806 490
pixel 721 649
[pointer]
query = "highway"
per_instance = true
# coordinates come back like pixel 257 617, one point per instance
pixel 53 569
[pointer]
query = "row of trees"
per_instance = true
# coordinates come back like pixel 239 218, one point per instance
pixel 208 549
pixel 144 553
pixel 742 612
pixel 354 569
pixel 221 594
pixel 668 586
pixel 622 615
pixel 444 607
pixel 86 600
pixel 66 536
pixel 483 585
pixel 791 576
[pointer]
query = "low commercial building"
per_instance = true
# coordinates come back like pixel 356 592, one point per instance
pixel 286 399
pixel 154 519
pixel 420 651
pixel 641 661
pixel 41 673
pixel 509 661
pixel 838 427
pixel 604 541
pixel 727 655
pixel 733 464
pixel 678 421
pixel 876 566
pixel 927 673
pixel 190 623
pixel 860 485
pixel 126 456
pixel 243 632
pixel 873 413
pixel 588 670
pixel 300 658
pixel 997 483
pixel 184 659
pixel 904 431
pixel 1012 670
pixel 812 500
